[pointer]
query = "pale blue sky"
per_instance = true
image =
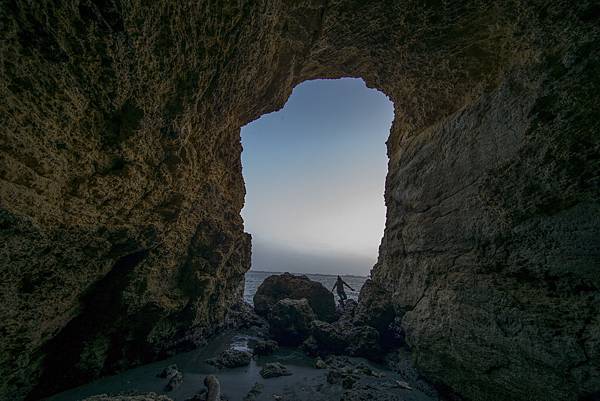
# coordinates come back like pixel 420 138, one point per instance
pixel 315 174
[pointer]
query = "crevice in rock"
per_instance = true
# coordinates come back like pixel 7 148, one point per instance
pixel 92 341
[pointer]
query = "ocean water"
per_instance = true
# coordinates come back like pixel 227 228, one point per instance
pixel 255 278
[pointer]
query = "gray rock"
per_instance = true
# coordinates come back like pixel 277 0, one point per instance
pixel 290 321
pixel 254 392
pixel 278 287
pixel 175 381
pixel 264 347
pixel 364 341
pixel 231 358
pixel 328 337
pixel 310 346
pixel 375 308
pixel 320 364
pixel 122 185
pixel 274 369
pixel 168 372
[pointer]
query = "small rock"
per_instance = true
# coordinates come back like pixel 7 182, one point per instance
pixel 348 382
pixel 277 397
pixel 265 347
pixel 403 384
pixel 274 369
pixel 310 346
pixel 254 392
pixel 175 381
pixel 334 376
pixel 320 364
pixel 231 358
pixel 168 372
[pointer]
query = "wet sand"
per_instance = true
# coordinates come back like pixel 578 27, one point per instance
pixel 305 384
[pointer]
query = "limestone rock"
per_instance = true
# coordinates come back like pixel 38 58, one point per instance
pixel 254 392
pixel 364 341
pixel 278 287
pixel 168 372
pixel 121 182
pixel 290 321
pixel 175 381
pixel 328 337
pixel 375 308
pixel 264 347
pixel 231 358
pixel 274 369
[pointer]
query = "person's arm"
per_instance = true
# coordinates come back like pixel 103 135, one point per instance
pixel 334 285
pixel 348 286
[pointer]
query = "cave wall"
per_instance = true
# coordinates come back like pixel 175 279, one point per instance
pixel 121 179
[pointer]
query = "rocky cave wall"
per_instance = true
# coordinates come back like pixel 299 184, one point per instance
pixel 121 179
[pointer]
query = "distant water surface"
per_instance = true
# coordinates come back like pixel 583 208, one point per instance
pixel 255 278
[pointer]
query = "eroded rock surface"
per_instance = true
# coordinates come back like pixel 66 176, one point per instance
pixel 120 232
pixel 290 321
pixel 286 285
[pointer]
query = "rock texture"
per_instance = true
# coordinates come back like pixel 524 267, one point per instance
pixel 120 232
pixel 290 321
pixel 286 285
pixel 139 397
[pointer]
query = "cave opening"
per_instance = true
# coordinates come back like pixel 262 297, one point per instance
pixel 315 175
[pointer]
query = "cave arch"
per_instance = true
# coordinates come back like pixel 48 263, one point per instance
pixel 121 133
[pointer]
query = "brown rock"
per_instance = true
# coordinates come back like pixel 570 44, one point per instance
pixel 290 321
pixel 121 181
pixel 287 285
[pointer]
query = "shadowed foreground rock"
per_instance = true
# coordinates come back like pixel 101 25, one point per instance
pixel 121 183
pixel 290 321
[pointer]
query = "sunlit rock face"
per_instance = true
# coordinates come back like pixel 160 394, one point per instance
pixel 121 179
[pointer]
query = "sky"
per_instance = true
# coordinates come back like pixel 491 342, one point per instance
pixel 315 174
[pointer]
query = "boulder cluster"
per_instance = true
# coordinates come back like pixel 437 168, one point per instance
pixel 302 312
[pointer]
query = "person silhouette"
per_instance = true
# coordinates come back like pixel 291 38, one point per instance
pixel 339 284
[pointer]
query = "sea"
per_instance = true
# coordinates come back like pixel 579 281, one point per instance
pixel 255 278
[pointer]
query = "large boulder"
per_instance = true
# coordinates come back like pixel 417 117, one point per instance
pixel 374 308
pixel 364 341
pixel 286 285
pixel 344 338
pixel 291 320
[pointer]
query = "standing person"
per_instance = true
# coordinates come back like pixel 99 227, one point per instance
pixel 339 284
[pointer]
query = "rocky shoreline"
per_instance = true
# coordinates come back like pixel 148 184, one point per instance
pixel 283 351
